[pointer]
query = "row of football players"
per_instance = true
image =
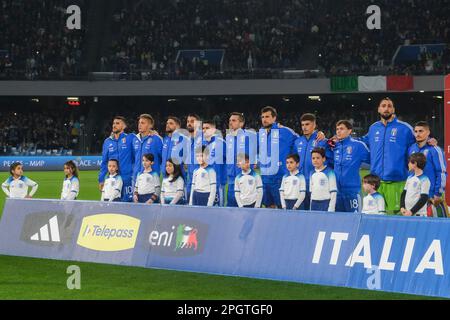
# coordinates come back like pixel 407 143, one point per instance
pixel 248 185
pixel 386 147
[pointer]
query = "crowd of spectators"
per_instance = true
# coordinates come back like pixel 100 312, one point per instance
pixel 35 42
pixel 255 34
pixel 259 38
pixel 39 133
pixel 271 35
pixel 347 46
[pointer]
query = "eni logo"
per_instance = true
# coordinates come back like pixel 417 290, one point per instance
pixel 108 232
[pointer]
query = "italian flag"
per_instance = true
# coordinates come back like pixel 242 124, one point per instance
pixel 372 83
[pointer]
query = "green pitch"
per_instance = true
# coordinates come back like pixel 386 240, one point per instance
pixel 28 278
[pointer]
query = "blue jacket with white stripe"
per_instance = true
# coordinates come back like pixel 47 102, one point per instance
pixel 273 148
pixel 303 147
pixel 120 149
pixel 173 148
pixel 217 151
pixel 149 144
pixel 389 146
pixel 349 154
pixel 435 169
pixel 244 141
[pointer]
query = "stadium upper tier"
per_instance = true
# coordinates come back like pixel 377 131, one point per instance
pixel 221 39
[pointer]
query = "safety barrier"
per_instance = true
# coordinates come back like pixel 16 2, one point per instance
pixel 387 253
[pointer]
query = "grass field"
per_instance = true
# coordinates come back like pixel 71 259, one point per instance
pixel 29 278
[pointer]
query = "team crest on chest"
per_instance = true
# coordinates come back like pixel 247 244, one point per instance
pixel 349 150
pixel 394 132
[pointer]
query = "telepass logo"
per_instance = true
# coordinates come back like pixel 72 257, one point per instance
pixel 108 232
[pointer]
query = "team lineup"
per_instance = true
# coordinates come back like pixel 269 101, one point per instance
pixel 273 167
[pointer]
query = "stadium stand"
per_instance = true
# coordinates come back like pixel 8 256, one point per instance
pixel 261 37
pixel 39 133
pixel 348 48
pixel 34 42
pixel 255 39
pixel 254 36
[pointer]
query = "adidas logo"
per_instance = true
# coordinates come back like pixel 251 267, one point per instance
pixel 47 231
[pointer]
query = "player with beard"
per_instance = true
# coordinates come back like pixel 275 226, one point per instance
pixel 119 146
pixel 194 127
pixel 238 141
pixel 389 140
pixel 275 143
pixel 435 167
pixel 173 139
